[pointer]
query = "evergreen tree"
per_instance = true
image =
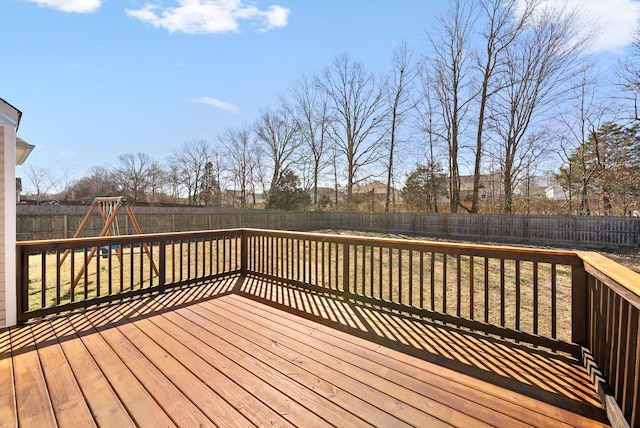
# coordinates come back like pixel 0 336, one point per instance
pixel 607 166
pixel 287 194
pixel 423 186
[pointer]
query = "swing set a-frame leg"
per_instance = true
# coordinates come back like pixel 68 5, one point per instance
pixel 107 230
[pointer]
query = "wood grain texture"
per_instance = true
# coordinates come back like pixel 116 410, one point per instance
pixel 275 355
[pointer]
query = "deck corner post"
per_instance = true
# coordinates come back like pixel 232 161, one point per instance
pixel 579 313
pixel 22 285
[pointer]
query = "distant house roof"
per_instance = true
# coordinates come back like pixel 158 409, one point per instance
pixel 378 187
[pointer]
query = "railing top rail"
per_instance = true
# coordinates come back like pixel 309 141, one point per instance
pixel 617 277
pixel 498 251
pixel 145 237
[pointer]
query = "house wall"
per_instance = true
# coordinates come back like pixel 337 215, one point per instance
pixel 3 248
pixel 8 309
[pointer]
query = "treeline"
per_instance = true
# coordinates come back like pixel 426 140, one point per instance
pixel 501 88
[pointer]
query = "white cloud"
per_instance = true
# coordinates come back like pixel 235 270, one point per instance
pixel 616 20
pixel 209 16
pixel 75 6
pixel 218 103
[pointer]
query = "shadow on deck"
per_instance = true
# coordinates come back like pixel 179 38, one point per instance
pixel 243 351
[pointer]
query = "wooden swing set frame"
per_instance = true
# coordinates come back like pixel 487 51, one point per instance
pixel 109 208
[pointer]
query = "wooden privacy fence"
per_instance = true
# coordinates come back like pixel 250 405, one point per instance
pixel 567 231
pixel 575 302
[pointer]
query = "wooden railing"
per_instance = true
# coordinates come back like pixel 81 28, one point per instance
pixel 613 342
pixel 517 293
pixel 99 270
pixel 575 302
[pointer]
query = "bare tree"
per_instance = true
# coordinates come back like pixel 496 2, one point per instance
pixel 189 162
pixel 399 89
pixel 132 174
pixel 43 182
pixel 502 26
pixel 427 123
pixel 157 180
pixel 241 158
pixel 99 182
pixel 451 62
pixel 629 76
pixel 587 114
pixel 356 102
pixel 277 132
pixel 538 64
pixel 310 110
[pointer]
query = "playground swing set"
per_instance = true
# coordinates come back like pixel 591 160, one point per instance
pixel 109 207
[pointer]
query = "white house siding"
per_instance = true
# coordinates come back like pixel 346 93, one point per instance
pixel 3 251
pixel 9 120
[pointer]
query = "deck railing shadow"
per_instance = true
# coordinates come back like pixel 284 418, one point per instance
pixel 519 367
pixel 563 302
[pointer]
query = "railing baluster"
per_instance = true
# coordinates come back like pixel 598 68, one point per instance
pixel 472 293
pixel 141 264
pixel 390 284
pixel 380 275
pixel 58 279
pixel 364 276
pixel 502 293
pixel 444 283
pixel 458 285
pixel 554 299
pixel 345 267
pixel 518 295
pixel 355 269
pixel 535 297
pixel 421 279
pixel 633 413
pixel 85 282
pixel 411 278
pixel 399 277
pixel 433 281
pixel 371 270
pixel 486 289
pixel 43 278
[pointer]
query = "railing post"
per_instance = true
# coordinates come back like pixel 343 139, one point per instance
pixel 579 314
pixel 22 284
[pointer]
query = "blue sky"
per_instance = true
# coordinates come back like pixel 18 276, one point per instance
pixel 95 78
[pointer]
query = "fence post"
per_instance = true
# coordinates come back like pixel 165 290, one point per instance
pixel 579 313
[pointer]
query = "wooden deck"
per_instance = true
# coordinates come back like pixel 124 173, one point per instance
pixel 246 352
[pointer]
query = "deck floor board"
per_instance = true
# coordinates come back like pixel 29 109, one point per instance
pixel 248 352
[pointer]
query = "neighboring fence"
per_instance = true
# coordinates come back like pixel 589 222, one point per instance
pixel 56 222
